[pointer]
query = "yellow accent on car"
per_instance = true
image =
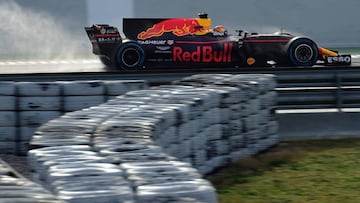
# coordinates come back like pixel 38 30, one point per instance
pixel 205 22
pixel 326 52
pixel 250 61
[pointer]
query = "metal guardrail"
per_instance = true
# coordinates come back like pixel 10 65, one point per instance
pixel 336 89
pixel 298 88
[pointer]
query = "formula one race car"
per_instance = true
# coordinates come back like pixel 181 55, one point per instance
pixel 192 42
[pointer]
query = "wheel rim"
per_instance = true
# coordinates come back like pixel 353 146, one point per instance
pixel 131 57
pixel 304 53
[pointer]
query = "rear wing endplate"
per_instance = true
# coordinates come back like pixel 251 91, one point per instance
pixel 104 38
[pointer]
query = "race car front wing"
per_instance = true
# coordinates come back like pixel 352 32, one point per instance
pixel 334 58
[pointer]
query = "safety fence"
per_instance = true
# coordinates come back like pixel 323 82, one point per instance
pixel 24 106
pixel 319 90
pixel 154 145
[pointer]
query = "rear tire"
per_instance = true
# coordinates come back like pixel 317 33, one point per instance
pixel 303 52
pixel 130 56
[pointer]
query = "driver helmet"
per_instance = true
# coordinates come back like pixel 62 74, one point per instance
pixel 220 28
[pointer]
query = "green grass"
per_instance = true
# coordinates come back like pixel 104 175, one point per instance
pixel 310 171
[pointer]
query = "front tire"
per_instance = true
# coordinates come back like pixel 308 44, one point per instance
pixel 130 56
pixel 303 52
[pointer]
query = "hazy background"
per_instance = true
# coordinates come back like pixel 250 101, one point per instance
pixel 53 28
pixel 329 22
pixel 48 29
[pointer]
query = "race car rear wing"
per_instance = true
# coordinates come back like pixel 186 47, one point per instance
pixel 104 38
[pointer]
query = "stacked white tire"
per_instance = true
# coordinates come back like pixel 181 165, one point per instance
pixel 38 102
pixel 17 189
pixel 8 117
pixel 24 106
pixel 156 144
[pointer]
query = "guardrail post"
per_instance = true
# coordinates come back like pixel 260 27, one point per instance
pixel 339 95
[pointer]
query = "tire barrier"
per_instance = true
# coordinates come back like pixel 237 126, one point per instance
pixel 155 145
pixel 17 189
pixel 24 106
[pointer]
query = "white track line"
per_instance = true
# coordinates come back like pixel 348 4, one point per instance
pixel 65 62
pixel 50 62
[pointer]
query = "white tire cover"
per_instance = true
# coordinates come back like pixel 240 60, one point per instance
pixel 87 168
pixel 86 88
pixel 229 95
pixel 150 179
pixel 30 200
pixel 123 150
pixel 95 187
pixel 43 167
pixel 21 191
pixel 39 103
pixel 119 87
pixel 273 127
pixel 61 140
pixel 239 154
pixel 37 156
pixel 237 111
pixel 198 121
pixel 38 88
pixel 7 103
pixel 254 105
pixel 184 131
pixel 161 171
pixel 136 165
pixel 152 93
pixel 17 189
pixel 235 126
pixel 199 189
pixel 136 157
pixel 7 88
pixel 102 141
pixel 199 142
pixel 57 152
pixel 218 148
pixel 8 147
pixel 98 196
pixel 76 160
pixel 169 136
pixel 200 158
pixel 36 118
pixel 237 142
pixel 87 180
pixel 26 133
pixel 186 150
pixel 73 103
pixel 60 151
pixel 7 118
pixel 8 134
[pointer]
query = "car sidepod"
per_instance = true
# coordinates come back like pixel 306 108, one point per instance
pixel 265 50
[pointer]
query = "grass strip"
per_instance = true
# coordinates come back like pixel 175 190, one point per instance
pixel 304 171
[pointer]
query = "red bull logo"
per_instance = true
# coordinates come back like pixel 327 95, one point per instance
pixel 205 54
pixel 176 26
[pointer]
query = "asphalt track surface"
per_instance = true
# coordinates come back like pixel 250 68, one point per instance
pixel 77 66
